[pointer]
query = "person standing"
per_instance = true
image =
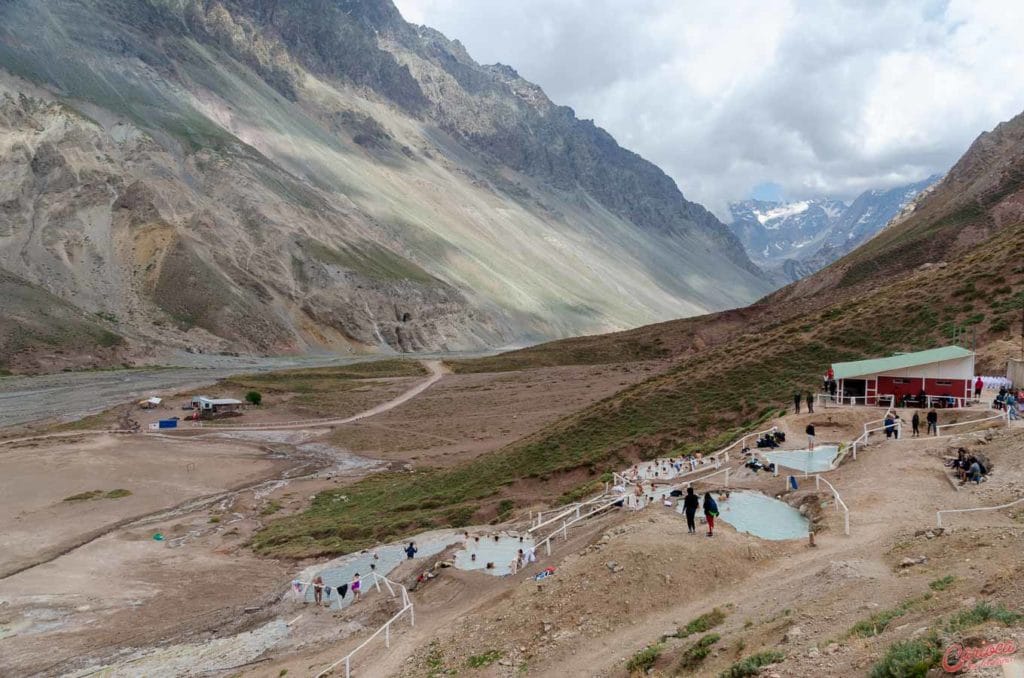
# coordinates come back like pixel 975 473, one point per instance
pixel 318 590
pixel 978 385
pixel 915 424
pixel 933 422
pixel 411 550
pixel 810 402
pixel 356 587
pixel 810 437
pixel 691 502
pixel 890 425
pixel 710 513
pixel 796 402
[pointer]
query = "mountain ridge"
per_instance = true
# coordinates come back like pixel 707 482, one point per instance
pixel 237 176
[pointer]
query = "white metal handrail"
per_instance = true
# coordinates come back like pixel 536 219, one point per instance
pixel 938 514
pixel 572 509
pixel 999 415
pixel 566 524
pixel 385 628
pixel 839 501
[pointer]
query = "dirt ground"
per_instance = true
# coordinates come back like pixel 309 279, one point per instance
pixel 199 602
pixel 468 414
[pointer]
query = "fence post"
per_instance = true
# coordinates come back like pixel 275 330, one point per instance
pixel 348 668
pixel 938 518
pixel 577 512
pixel 727 476
pixel 817 482
pixel 847 523
pixel 547 545
pixel 387 635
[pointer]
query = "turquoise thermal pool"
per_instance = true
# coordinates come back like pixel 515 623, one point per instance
pixel 760 515
pixel 501 552
pixel 802 460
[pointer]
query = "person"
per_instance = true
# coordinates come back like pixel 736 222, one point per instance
pixel 1011 406
pixel 472 557
pixel 974 471
pixel 890 425
pixel 897 426
pixel 356 588
pixel 531 554
pixel 411 550
pixel 933 422
pixel 710 512
pixel 520 559
pixel 796 402
pixel 915 424
pixel 691 502
pixel 318 590
pixel 978 385
pixel 810 436
pixel 810 402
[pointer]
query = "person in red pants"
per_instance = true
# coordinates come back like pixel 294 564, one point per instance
pixel 710 512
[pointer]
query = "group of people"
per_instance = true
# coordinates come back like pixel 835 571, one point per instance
pixel 807 397
pixel 322 592
pixel 1009 401
pixel 666 469
pixel 771 439
pixel 968 467
pixel 524 555
pixel 932 419
pixel 691 502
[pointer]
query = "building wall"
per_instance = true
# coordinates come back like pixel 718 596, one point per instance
pixel 962 368
pixel 1015 372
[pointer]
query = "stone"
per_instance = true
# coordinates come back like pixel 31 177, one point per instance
pixel 929 535
pixel 832 648
pixel 611 565
pixel 792 634
pixel 813 653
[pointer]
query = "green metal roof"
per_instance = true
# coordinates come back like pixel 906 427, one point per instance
pixel 859 368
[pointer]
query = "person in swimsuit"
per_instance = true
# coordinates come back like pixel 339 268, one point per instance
pixel 318 590
pixel 357 588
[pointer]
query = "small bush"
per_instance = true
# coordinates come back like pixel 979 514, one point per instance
pixel 751 666
pixel 272 507
pixel 254 397
pixel 981 613
pixel 694 655
pixel 486 659
pixel 118 493
pixel 644 659
pixel 505 507
pixel 943 583
pixel 705 622
pixel 909 659
pixel 85 496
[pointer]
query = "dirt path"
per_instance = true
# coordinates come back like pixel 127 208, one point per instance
pixel 437 372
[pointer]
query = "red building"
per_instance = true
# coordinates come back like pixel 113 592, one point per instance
pixel 939 373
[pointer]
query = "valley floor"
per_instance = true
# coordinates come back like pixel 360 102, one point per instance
pixel 84 584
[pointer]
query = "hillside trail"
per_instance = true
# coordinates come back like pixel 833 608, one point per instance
pixel 436 368
pixel 437 371
pixel 893 487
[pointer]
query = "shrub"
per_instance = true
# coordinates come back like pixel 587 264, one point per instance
pixel 981 613
pixel 505 507
pixel 943 583
pixel 751 666
pixel 696 653
pixel 486 659
pixel 705 622
pixel 909 659
pixel 254 397
pixel 644 659
pixel 118 493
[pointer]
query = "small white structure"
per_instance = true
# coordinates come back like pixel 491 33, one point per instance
pixel 215 405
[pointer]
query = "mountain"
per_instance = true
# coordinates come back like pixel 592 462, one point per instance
pixel 799 238
pixel 268 176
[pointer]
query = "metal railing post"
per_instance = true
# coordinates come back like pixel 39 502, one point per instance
pixel 387 635
pixel 938 518
pixel 847 521
pixel 727 476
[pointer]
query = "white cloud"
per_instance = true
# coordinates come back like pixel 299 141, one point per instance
pixel 818 97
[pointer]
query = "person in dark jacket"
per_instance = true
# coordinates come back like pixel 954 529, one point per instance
pixel 915 423
pixel 933 422
pixel 796 402
pixel 710 513
pixel 690 505
pixel 810 402
pixel 411 550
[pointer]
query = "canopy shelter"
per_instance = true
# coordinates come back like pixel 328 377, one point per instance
pixel 938 376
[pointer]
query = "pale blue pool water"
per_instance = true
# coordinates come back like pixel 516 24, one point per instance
pixel 501 553
pixel 388 558
pixel 801 460
pixel 762 516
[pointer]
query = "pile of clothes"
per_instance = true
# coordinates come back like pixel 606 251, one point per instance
pixel 755 465
pixel 772 439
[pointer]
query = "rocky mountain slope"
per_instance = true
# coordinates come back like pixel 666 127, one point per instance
pixel 264 176
pixel 796 239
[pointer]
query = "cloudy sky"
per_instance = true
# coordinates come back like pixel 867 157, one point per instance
pixel 763 98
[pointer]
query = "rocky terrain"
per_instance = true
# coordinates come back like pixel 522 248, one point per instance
pixel 272 177
pixel 795 239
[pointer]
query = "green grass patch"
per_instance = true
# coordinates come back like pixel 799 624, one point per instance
pixel 85 496
pixel 486 659
pixel 99 494
pixel 272 507
pixel 701 624
pixel 752 665
pixel 693 656
pixel 942 583
pixel 979 614
pixel 643 660
pixel 909 659
pixel 878 622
